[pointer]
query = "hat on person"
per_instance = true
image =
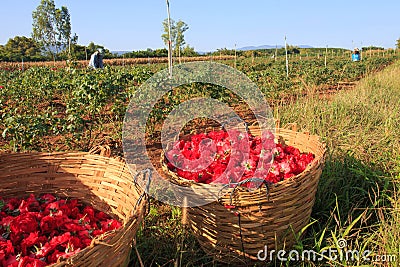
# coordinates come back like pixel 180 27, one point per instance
pixel 101 51
pixel 356 49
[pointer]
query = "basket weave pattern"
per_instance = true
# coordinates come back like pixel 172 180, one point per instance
pixel 103 182
pixel 270 216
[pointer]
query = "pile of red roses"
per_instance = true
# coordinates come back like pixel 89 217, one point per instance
pixel 233 156
pixel 36 231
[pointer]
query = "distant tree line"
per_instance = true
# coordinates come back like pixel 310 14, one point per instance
pixel 259 52
pixel 187 51
pixel 280 51
pixel 21 48
pixel 371 47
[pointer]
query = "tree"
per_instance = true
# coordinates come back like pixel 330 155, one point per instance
pixel 52 27
pixel 147 53
pixel 74 52
pixel 189 52
pixel 225 52
pixel 177 35
pixel 92 47
pixel 398 43
pixel 21 48
pixel 372 47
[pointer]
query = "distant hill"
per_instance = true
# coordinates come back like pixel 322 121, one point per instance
pixel 119 53
pixel 246 48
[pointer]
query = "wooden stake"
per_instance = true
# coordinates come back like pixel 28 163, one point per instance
pixel 184 211
pixel 179 54
pixel 235 55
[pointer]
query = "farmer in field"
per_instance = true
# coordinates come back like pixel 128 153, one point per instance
pixel 356 55
pixel 96 59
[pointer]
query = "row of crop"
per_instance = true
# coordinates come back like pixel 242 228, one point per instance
pixel 273 80
pixel 41 102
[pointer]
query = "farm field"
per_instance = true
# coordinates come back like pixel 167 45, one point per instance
pixel 49 108
pixel 353 106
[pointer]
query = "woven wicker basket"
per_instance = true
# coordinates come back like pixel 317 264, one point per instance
pixel 106 183
pixel 270 216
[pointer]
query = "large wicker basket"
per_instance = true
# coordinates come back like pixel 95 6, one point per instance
pixel 106 183
pixel 271 216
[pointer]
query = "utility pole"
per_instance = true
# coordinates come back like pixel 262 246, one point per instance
pixel 169 42
pixel 287 60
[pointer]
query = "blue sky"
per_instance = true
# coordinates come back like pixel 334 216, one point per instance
pixel 137 25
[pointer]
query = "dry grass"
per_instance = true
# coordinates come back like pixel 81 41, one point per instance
pixel 110 62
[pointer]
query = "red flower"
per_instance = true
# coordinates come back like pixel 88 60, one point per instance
pixel 89 212
pixel 52 258
pixel 31 240
pixel 74 243
pixel 52 244
pixel 29 204
pixel 279 152
pixel 12 204
pixel 292 150
pixel 6 221
pixel 25 223
pixel 101 216
pixel 31 262
pixel 47 198
pixel 72 227
pixel 11 261
pixel 6 248
pixel 49 223
pixel 110 225
pixel 70 209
